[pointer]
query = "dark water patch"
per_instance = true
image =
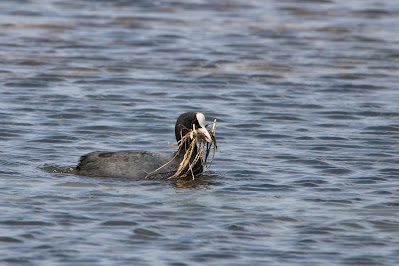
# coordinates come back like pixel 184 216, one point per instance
pixel 310 182
pixel 219 6
pixel 302 130
pixel 321 148
pixel 390 171
pixel 66 219
pixel 334 29
pixel 329 125
pixel 155 94
pixel 27 84
pixel 130 21
pixel 54 140
pixel 386 129
pixel 304 12
pixel 265 78
pixel 327 113
pixel 304 138
pixel 307 184
pixel 120 204
pixel 378 114
pixel 6 173
pixel 350 88
pixel 110 81
pixel 6 239
pixel 248 125
pixel 286 157
pixel 97 128
pixel 49 77
pixel 117 69
pixel 25 13
pixel 80 46
pixel 353 76
pixel 365 181
pixel 268 33
pixel 310 162
pixel 83 58
pixel 234 227
pixel 245 172
pixel 285 219
pixel 337 171
pixel 26 223
pixel 332 138
pixel 318 230
pixel 384 141
pixel 384 205
pixel 119 223
pixel 372 13
pixel 218 79
pixel 382 192
pixel 271 136
pixel 24 110
pixel 363 260
pixel 79 71
pixel 54 98
pixel 312 106
pixel 343 117
pixel 208 257
pixel 67 116
pixel 346 145
pixel 280 117
pixel 351 225
pixel 146 232
pixel 266 187
pixel 53 198
pixel 17 260
pixel 332 201
pixel 31 62
pixel 43 247
pixel 9 134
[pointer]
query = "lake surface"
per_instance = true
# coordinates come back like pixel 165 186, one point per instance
pixel 307 102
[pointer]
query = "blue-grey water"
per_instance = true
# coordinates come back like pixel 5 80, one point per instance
pixel 307 101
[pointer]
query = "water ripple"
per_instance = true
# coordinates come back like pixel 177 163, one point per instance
pixel 306 103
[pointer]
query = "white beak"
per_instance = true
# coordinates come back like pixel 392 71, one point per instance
pixel 205 133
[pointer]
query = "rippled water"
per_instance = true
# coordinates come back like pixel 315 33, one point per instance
pixel 307 101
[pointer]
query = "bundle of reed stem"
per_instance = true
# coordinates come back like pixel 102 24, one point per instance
pixel 195 141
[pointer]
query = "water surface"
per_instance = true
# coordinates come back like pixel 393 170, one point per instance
pixel 306 99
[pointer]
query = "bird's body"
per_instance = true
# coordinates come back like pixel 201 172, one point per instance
pixel 129 164
pixel 140 164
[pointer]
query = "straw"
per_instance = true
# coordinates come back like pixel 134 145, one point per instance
pixel 198 142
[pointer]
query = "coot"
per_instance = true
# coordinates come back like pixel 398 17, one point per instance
pixel 139 164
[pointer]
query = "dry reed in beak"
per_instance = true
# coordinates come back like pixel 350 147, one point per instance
pixel 194 139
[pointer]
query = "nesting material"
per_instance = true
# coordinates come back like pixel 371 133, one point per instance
pixel 193 139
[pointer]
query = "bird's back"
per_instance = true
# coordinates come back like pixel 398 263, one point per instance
pixel 128 164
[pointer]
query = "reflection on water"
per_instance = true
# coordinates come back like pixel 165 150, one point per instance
pixel 306 102
pixel 55 169
pixel 205 181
